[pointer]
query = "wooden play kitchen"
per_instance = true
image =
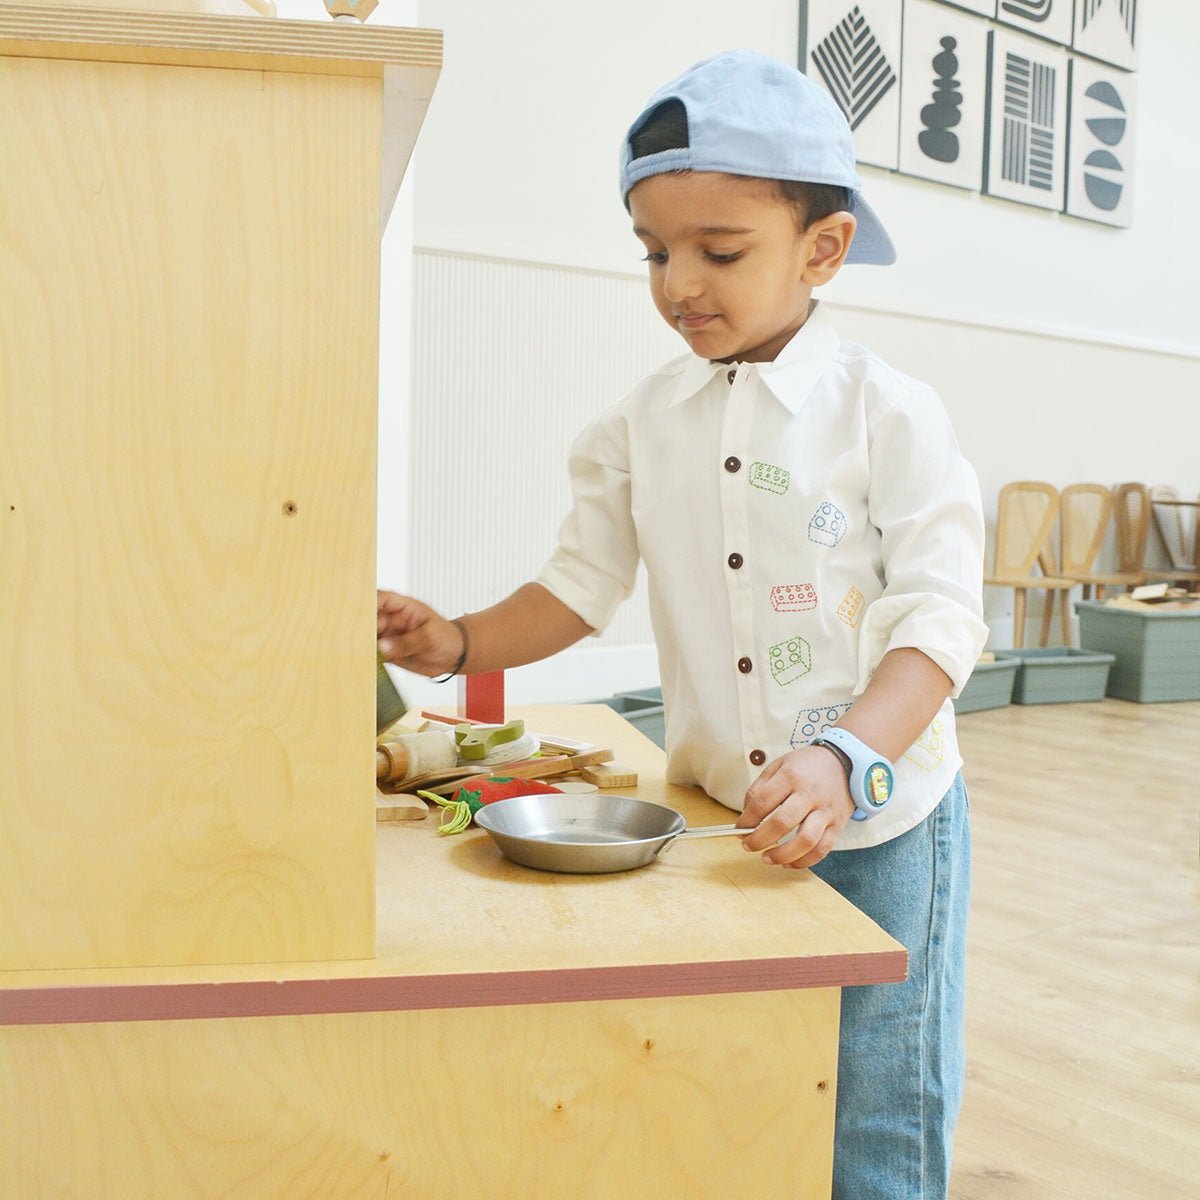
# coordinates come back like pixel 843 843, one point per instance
pixel 218 974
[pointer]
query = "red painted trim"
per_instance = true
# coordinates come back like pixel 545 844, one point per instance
pixel 91 1003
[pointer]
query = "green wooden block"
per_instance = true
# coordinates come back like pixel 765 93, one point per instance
pixel 1058 674
pixel 1157 651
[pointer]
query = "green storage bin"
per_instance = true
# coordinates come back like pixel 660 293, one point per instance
pixel 1059 674
pixel 990 686
pixel 1157 651
pixel 642 708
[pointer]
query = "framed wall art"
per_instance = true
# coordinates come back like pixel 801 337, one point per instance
pixel 1050 19
pixel 1033 101
pixel 1100 155
pixel 943 94
pixel 1107 29
pixel 852 49
pixel 1025 150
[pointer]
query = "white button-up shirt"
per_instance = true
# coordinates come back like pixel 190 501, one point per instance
pixel 798 519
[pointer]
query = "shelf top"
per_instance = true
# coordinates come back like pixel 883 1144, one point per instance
pixel 206 39
pixel 459 926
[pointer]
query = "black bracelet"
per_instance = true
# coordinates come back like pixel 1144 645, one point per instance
pixel 462 658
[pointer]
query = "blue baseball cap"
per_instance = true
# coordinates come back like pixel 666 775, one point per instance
pixel 751 115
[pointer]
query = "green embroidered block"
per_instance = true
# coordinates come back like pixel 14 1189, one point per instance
pixel 769 478
pixel 790 660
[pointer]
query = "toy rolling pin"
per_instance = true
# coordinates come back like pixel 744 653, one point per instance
pixel 411 754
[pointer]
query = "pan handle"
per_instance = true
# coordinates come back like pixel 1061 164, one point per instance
pixel 713 831
pixel 702 831
pixel 716 831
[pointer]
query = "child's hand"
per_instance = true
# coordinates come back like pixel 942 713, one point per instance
pixel 804 791
pixel 414 637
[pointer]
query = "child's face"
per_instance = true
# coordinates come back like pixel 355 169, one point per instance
pixel 728 265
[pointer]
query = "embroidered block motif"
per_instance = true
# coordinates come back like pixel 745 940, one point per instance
pixel 827 526
pixel 812 721
pixel 929 749
pixel 769 478
pixel 851 608
pixel 790 660
pixel 793 597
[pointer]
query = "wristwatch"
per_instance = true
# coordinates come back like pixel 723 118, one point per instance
pixel 870 775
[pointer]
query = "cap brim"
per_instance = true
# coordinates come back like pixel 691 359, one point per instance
pixel 871 243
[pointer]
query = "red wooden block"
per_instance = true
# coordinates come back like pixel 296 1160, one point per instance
pixel 481 697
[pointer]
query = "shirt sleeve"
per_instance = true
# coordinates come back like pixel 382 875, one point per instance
pixel 595 565
pixel 924 499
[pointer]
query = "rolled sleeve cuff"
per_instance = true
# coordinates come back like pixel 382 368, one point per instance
pixel 593 603
pixel 941 628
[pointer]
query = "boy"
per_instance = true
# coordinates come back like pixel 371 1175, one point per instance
pixel 814 548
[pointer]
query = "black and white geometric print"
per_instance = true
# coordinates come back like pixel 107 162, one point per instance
pixel 853 51
pixel 1050 19
pixel 1026 144
pixel 853 67
pixel 947 90
pixel 1107 29
pixel 1100 171
pixel 943 94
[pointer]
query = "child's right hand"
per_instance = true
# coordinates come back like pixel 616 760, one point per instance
pixel 414 637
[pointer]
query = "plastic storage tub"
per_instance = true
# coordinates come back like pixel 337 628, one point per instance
pixel 990 686
pixel 1157 651
pixel 1059 674
pixel 642 708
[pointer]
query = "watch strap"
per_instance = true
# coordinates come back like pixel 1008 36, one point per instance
pixel 869 776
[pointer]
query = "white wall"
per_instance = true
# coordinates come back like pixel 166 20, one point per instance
pixel 1064 350
pixel 519 155
pixel 395 322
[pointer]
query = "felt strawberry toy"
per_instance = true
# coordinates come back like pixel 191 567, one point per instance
pixel 467 801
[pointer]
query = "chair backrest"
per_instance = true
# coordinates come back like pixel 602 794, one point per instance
pixel 1025 515
pixel 1131 507
pixel 1170 523
pixel 1084 512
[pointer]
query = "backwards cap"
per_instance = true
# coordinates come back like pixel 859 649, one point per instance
pixel 750 115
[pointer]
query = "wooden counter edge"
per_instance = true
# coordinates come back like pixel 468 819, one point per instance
pixel 66 1005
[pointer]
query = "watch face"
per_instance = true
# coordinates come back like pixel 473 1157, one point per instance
pixel 879 784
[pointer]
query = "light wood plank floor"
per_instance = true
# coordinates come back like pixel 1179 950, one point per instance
pixel 1083 1001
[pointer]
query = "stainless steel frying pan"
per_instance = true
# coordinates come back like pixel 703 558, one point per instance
pixel 587 834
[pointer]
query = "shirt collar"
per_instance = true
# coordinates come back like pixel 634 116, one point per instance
pixel 793 374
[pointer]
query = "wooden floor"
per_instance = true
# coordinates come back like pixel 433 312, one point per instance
pixel 1083 988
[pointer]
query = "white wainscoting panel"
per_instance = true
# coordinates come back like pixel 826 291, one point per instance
pixel 511 359
pixel 510 362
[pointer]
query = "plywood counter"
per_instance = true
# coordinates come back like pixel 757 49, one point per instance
pixel 665 1032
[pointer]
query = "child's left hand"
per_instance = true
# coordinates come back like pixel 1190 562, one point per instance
pixel 804 791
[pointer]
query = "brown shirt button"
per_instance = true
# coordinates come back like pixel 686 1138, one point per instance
pixel 733 464
pixel 757 757
pixel 732 375
pixel 735 560
pixel 745 666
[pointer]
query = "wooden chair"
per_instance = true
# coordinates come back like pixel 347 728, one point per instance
pixel 1131 508
pixel 1181 548
pixel 1084 511
pixel 1025 515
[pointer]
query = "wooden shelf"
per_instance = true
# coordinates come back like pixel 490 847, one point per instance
pixel 460 926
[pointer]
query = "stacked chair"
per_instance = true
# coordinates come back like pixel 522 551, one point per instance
pixel 1025 520
pixel 1183 552
pixel 1028 513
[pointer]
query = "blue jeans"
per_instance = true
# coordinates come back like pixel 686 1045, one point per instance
pixel 901 1063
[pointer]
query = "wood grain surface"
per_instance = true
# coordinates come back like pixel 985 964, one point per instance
pixel 188 347
pixel 701 1096
pixel 1083 984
